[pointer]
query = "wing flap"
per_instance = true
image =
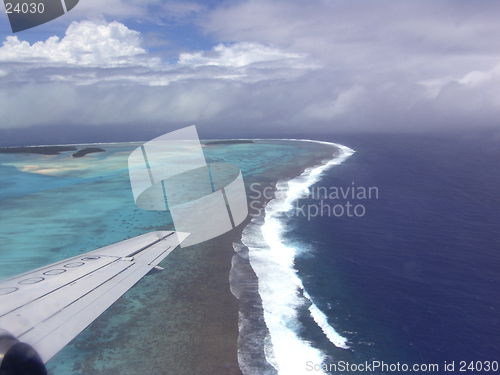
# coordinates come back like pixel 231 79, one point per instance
pixel 48 307
pixel 49 338
pixel 27 316
pixel 126 248
pixel 37 284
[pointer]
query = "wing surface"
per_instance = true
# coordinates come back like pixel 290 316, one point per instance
pixel 48 307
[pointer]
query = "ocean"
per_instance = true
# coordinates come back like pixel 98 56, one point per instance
pixel 410 280
pixel 384 251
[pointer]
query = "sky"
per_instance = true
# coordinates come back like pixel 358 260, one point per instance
pixel 120 70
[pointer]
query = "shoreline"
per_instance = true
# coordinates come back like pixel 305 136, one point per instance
pixel 204 315
pixel 38 150
pixel 185 319
pixel 261 309
pixel 211 339
pixel 225 322
pixel 50 150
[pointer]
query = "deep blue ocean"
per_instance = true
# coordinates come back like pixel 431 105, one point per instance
pixel 416 279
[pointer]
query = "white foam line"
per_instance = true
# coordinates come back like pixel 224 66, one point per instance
pixel 296 188
pixel 203 140
pixel 279 285
pixel 322 321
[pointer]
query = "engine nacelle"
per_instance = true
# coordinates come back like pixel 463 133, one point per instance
pixel 18 358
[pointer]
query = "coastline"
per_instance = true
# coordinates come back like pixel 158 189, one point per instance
pixel 38 150
pixel 210 332
pixel 212 292
pixel 268 344
pixel 185 319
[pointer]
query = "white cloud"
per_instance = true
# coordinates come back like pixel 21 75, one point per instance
pixel 237 55
pixel 103 67
pixel 85 44
pixel 471 80
pixel 477 77
pixel 95 53
pixel 246 62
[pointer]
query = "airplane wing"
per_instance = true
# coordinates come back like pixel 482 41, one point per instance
pixel 48 307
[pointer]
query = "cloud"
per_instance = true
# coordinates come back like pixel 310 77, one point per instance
pixel 236 56
pixel 85 44
pixel 274 67
pixel 331 109
pixel 422 66
pixel 476 80
pixel 246 62
pixel 102 53
pixel 99 74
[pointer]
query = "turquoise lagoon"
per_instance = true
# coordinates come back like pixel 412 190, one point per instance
pixel 56 207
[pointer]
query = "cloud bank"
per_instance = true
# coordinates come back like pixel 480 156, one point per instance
pixel 274 68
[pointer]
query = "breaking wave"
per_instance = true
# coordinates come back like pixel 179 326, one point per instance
pixel 263 277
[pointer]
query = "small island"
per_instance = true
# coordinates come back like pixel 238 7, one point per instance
pixel 86 151
pixel 40 150
pixel 229 142
pixel 50 150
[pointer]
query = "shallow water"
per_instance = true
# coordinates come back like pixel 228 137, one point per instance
pixel 54 207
